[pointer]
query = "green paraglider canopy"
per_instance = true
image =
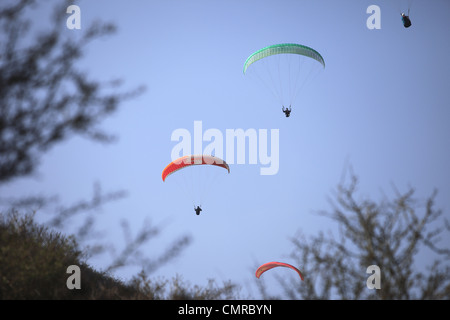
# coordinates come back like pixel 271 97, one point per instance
pixel 283 48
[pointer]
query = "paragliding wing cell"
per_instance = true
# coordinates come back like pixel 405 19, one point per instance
pixel 191 160
pixel 284 48
pixel 267 266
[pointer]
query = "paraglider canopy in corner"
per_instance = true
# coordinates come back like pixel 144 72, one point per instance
pixel 270 265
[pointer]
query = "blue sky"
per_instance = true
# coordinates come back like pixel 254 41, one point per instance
pixel 381 104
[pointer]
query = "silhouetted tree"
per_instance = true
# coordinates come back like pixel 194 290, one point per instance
pixel 178 289
pixel 34 261
pixel 44 97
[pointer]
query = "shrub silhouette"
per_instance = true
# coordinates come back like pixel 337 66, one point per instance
pixel 34 261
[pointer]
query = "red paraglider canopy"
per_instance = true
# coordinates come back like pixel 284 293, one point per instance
pixel 192 160
pixel 267 266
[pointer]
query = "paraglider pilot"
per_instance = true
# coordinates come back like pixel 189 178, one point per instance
pixel 406 21
pixel 197 210
pixel 287 111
